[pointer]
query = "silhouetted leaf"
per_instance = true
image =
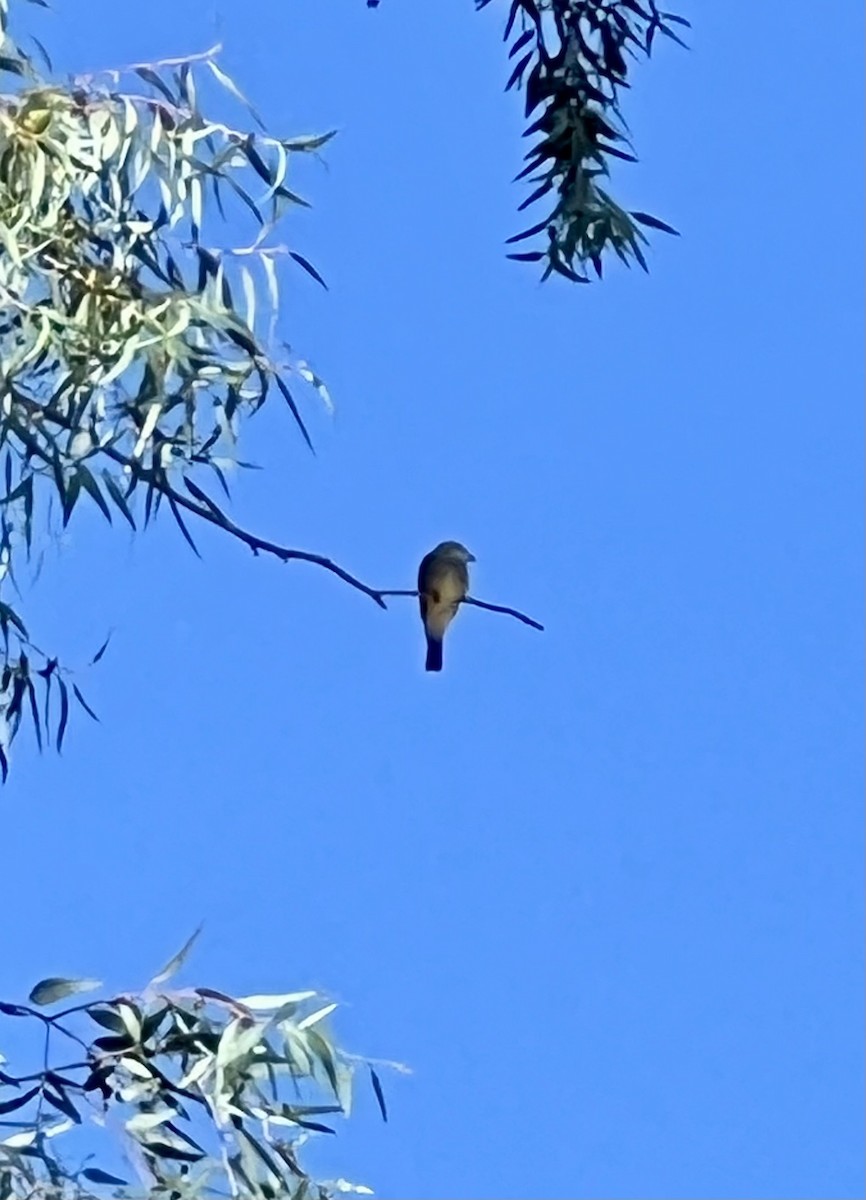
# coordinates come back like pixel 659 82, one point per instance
pixel 92 487
pixel 294 408
pixel 645 219
pixel 63 1104
pixel 518 71
pixel 99 653
pixel 379 1094
pixel 97 1175
pixel 8 1106
pixel 308 267
pixel 151 77
pixel 107 1018
pixel 9 617
pixel 34 711
pixel 49 991
pixel 78 696
pixel 520 42
pixel 182 526
pixel 64 713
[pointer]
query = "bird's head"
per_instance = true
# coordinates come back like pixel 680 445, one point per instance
pixel 454 550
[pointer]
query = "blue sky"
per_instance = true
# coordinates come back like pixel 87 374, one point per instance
pixel 601 887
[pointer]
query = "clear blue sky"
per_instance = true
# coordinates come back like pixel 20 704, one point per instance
pixel 601 887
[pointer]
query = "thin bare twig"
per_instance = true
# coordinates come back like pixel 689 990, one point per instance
pixel 511 612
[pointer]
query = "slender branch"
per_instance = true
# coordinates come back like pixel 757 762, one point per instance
pixel 256 544
pixel 511 612
pixel 500 608
pixel 214 516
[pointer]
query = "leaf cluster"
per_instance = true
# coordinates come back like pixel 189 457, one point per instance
pixel 132 342
pixel 207 1094
pixel 572 59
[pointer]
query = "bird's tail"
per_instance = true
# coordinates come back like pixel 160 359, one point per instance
pixel 434 654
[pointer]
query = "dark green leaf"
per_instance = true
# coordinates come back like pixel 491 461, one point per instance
pixel 97 1175
pixel 654 223
pixel 64 713
pixel 294 408
pixel 114 1044
pixel 78 696
pixel 379 1094
pixel 63 1104
pixel 8 615
pixel 205 499
pixel 69 494
pixel 154 80
pixel 108 1019
pixel 180 522
pixel 14 1010
pixel 164 1150
pixel 518 71
pixel 8 1106
pixel 99 653
pixel 526 36
pixel 92 487
pixel 34 710
pixel 308 267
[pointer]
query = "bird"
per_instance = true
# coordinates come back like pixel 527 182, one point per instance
pixel 443 581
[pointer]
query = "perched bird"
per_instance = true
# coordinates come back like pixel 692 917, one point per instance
pixel 443 581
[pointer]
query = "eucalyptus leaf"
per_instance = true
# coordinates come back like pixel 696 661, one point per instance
pixel 49 991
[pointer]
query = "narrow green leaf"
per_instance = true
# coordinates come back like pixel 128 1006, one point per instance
pixel 308 267
pixel 180 522
pixel 64 713
pixel 69 496
pixel 202 496
pixel 34 709
pixel 150 76
pixel 63 1104
pixel 97 1175
pixel 99 653
pixel 92 487
pixel 78 696
pixel 294 408
pixel 8 1106
pixel 117 496
pixel 9 615
pixel 654 223
pixel 379 1094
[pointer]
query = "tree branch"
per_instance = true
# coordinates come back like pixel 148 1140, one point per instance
pixel 511 612
pixel 211 513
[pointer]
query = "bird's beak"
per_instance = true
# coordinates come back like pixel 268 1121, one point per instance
pixel 471 557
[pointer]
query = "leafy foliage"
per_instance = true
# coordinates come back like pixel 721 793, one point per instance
pixel 572 59
pixel 208 1094
pixel 132 344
